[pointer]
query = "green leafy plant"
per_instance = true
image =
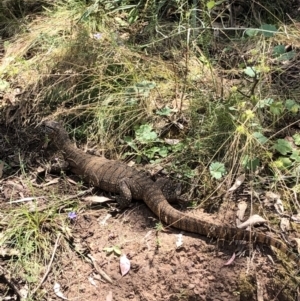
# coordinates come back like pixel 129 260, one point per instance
pixel 166 111
pixel 147 144
pixel 159 227
pixel 250 163
pixel 283 146
pixel 266 30
pixel 290 153
pixel 141 89
pixel 113 250
pixel 217 170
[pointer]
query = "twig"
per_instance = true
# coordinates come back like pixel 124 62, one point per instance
pixel 80 193
pixel 49 265
pixel 98 269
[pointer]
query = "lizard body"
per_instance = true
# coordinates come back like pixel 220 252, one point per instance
pixel 128 183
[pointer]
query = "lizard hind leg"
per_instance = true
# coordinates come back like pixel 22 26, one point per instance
pixel 170 189
pixel 125 197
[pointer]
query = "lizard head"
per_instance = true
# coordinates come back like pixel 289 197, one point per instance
pixel 55 132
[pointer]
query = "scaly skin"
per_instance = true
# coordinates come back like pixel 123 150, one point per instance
pixel 117 177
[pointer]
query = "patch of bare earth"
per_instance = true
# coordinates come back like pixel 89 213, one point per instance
pixel 159 270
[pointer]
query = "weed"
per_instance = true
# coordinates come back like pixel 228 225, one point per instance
pixel 159 227
pixel 113 250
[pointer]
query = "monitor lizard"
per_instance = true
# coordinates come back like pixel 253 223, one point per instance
pixel 117 177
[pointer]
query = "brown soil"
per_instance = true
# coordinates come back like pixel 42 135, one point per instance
pixel 159 270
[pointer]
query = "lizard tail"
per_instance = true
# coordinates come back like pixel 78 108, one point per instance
pixel 172 217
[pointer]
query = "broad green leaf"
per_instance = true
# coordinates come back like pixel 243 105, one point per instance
pixel 217 170
pixel 283 163
pixel 150 153
pixel 117 250
pixel 287 56
pixel 142 88
pixel 278 50
pixel 292 106
pixel 138 159
pixel 178 147
pixel 114 249
pixel 267 30
pixel 265 102
pixel 250 71
pixel 277 108
pixel 283 146
pixel 251 32
pixel 250 163
pixel 164 111
pixel 145 134
pixel 271 29
pixel 188 172
pixel 130 142
pixel 295 155
pixel 296 138
pixel 163 151
pixel 260 137
pixel 108 250
pixel 210 5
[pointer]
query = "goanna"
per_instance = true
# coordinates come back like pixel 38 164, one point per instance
pixel 128 183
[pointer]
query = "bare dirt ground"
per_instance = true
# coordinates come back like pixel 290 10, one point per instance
pixel 160 271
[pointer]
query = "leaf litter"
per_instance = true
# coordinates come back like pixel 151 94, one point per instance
pixel 124 265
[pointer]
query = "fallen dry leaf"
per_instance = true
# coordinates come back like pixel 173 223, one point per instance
pixel 24 292
pixel 92 281
pixel 285 224
pixel 54 181
pixel 172 141
pixel 252 220
pixel 272 196
pixel 279 206
pixel 96 199
pixel 297 241
pixel 16 186
pixel 231 260
pixel 131 163
pixel 124 265
pixel 238 182
pixel 58 292
pixel 179 240
pixel 72 181
pixel 242 206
